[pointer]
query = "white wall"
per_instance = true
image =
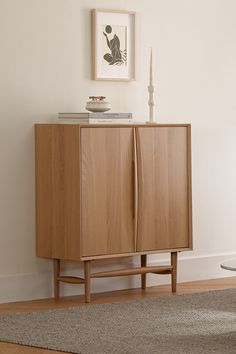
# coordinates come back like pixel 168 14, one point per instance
pixel 45 62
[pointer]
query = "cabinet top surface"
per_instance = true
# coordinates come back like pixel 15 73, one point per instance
pixel 143 125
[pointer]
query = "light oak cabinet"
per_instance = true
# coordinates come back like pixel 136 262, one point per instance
pixel 112 191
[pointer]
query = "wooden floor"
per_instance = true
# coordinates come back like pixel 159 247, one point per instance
pixel 122 295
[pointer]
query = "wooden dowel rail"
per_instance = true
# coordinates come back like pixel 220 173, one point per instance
pixel 71 280
pixel 131 271
pixel 117 273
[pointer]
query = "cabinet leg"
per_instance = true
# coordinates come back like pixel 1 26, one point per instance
pixel 87 267
pixel 143 276
pixel 174 271
pixel 56 268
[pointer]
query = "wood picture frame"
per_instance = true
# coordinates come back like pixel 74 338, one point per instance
pixel 113 45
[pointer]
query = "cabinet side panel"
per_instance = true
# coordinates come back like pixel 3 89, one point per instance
pixel 57 191
pixel 43 173
pixel 163 220
pixel 107 191
pixel 190 189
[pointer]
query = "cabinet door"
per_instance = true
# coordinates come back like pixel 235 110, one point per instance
pixel 107 190
pixel 163 188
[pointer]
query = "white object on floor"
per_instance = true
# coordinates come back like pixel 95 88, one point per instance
pixel 229 265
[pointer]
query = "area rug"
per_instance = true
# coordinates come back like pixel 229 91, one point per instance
pixel 198 323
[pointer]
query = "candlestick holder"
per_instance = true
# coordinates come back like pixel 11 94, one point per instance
pixel 150 92
pixel 151 105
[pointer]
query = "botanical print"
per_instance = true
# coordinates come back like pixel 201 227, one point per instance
pixel 115 45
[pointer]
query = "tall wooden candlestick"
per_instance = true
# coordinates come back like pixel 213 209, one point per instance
pixel 151 90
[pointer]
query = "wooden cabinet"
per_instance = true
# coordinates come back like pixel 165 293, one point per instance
pixel 112 191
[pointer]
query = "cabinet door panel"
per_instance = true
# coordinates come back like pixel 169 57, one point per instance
pixel 163 188
pixel 107 190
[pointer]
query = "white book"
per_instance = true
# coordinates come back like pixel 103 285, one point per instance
pixel 95 115
pixel 97 121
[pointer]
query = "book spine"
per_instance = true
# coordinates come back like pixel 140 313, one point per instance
pixel 95 116
pixel 99 121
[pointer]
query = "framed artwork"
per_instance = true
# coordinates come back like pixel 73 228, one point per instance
pixel 113 45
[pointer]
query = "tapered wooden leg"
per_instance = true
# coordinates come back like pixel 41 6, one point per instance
pixel 56 268
pixel 143 276
pixel 174 271
pixel 87 267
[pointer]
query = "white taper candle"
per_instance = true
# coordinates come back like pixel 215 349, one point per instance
pixel 151 75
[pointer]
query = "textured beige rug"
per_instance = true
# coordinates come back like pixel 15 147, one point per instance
pixel 200 323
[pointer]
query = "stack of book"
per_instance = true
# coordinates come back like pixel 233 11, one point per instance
pixel 97 118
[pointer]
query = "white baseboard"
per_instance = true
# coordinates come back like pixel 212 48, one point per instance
pixel 23 287
pixel 195 268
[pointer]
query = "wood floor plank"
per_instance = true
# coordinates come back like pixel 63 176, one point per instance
pixel 122 295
